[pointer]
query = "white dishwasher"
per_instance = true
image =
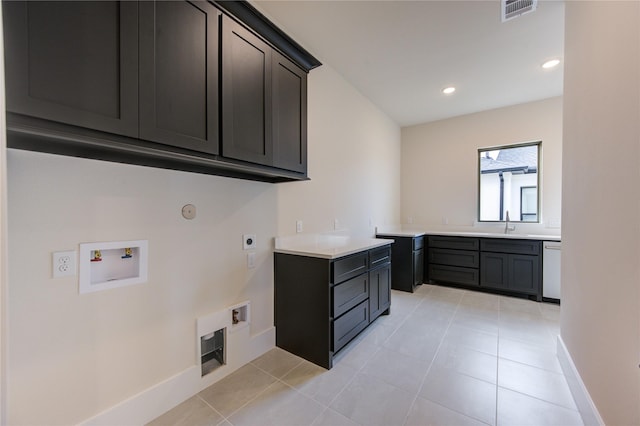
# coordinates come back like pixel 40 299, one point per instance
pixel 551 269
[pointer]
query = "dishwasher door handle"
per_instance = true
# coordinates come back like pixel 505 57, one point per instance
pixel 553 247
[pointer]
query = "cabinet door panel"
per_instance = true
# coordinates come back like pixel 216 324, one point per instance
pixel 74 62
pixel 494 270
pixel 379 291
pixel 418 267
pixel 289 115
pixel 524 273
pixel 179 74
pixel 246 95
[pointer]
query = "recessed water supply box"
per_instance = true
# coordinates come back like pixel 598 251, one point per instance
pixel 113 264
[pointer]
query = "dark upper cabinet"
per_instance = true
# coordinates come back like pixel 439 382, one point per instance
pixel 289 115
pixel 179 59
pixel 246 95
pixel 172 84
pixel 74 62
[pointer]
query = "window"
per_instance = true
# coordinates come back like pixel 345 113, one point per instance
pixel 508 182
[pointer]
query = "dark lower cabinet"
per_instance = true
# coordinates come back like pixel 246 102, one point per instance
pixel 322 304
pixel 73 62
pixel 179 74
pixel 512 266
pixel 379 291
pixel 408 261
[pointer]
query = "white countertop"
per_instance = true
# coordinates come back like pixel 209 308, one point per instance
pixel 400 233
pixel 540 237
pixel 326 246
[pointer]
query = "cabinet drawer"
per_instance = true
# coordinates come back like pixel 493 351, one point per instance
pixel 349 325
pixel 459 243
pixel 464 258
pixel 379 257
pixel 349 267
pixel 349 293
pixel 498 245
pixel 453 274
pixel 418 243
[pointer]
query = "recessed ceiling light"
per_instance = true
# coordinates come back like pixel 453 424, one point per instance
pixel 448 90
pixel 551 63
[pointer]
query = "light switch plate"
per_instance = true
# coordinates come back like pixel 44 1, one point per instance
pixel 248 241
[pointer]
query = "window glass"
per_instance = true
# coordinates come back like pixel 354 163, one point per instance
pixel 508 183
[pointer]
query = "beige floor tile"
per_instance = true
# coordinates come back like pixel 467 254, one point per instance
pixel 370 401
pixel 332 418
pixel 192 412
pixel 238 388
pixel 517 409
pixel 473 339
pixel 464 360
pixel 377 333
pixel 486 323
pixel 423 290
pixel 479 300
pixel 467 395
pixel 278 405
pixel 427 312
pixel 542 384
pixel 320 384
pixel 516 304
pixel 418 345
pixel 355 354
pixel 525 353
pixel 427 413
pixel 277 362
pixel 402 371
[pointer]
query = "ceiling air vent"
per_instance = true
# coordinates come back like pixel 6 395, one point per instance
pixel 514 8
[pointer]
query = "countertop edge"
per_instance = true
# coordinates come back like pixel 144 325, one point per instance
pixel 325 254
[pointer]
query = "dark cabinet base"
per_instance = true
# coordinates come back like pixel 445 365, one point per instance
pixel 498 265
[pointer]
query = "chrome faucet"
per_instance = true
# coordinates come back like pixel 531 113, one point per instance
pixel 508 228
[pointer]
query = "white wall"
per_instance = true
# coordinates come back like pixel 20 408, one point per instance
pixel 70 356
pixel 440 163
pixel 600 322
pixel 354 164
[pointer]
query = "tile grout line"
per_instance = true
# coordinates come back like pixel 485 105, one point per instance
pixel 417 395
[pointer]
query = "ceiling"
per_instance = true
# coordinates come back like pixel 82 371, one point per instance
pixel 401 54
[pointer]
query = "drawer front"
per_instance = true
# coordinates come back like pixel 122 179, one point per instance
pixel 350 293
pixel 456 243
pixel 498 245
pixel 418 243
pixel 380 256
pixel 453 274
pixel 466 259
pixel 349 267
pixel 349 325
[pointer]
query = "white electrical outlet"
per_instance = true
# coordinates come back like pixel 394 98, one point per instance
pixel 251 260
pixel 336 224
pixel 298 226
pixel 63 264
pixel 249 241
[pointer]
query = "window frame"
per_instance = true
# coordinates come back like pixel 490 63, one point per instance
pixel 537 143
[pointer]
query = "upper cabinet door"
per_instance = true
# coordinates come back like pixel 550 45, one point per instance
pixel 179 58
pixel 246 95
pixel 289 115
pixel 74 62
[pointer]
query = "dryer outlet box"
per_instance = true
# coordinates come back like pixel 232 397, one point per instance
pixel 248 241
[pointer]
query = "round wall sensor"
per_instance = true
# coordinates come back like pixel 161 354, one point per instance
pixel 189 211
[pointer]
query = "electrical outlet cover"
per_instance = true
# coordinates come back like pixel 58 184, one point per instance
pixel 63 264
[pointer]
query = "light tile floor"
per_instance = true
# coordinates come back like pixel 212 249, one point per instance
pixel 444 356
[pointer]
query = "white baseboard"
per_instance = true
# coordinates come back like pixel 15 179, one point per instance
pixel 160 398
pixel 586 407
